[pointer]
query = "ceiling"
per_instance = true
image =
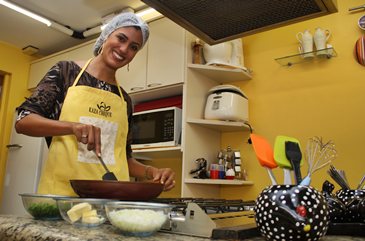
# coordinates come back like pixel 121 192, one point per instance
pixel 19 30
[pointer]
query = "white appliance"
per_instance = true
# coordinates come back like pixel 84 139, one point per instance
pixel 23 167
pixel 226 102
pixel 229 54
pixel 157 128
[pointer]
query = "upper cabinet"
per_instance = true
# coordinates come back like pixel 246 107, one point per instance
pixel 160 62
pixel 39 68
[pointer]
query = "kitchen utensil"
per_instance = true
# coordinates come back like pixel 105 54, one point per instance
pixel 293 153
pixel 264 154
pixel 108 175
pixel 361 183
pixel 336 176
pixel 280 158
pixel 318 154
pixel 134 191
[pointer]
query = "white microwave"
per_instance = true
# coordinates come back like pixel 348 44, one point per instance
pixel 157 128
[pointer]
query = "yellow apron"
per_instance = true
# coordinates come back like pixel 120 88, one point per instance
pixel 69 159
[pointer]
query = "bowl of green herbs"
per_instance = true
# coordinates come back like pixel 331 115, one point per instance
pixel 41 206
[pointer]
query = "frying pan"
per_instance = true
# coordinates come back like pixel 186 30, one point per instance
pixel 264 154
pixel 125 191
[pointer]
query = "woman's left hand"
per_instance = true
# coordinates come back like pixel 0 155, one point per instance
pixel 164 176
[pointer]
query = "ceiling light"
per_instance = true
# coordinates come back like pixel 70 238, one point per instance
pixel 149 14
pixel 25 12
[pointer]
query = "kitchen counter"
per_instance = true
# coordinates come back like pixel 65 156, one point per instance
pixel 28 229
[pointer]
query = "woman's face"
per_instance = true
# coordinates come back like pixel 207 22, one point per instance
pixel 121 46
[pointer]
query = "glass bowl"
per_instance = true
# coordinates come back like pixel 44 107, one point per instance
pixel 137 218
pixel 83 212
pixel 41 206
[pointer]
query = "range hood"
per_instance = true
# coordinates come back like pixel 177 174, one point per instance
pixel 216 21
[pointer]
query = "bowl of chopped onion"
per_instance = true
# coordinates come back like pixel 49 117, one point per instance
pixel 140 219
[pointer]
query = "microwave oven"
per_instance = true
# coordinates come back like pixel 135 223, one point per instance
pixel 157 128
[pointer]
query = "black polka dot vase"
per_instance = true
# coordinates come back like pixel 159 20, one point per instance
pixel 352 199
pixel 291 212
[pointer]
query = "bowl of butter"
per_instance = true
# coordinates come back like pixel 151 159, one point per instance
pixel 83 212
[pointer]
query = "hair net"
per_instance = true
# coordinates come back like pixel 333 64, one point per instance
pixel 122 20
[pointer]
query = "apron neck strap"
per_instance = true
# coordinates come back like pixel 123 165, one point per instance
pixel 83 70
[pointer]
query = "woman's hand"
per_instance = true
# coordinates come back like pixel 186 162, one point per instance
pixel 89 135
pixel 164 176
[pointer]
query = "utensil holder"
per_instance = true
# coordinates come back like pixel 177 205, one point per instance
pixel 291 212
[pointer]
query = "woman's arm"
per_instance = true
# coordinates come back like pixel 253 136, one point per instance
pixel 36 125
pixel 165 176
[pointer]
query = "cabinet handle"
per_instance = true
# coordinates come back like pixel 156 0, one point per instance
pixel 136 88
pixel 14 146
pixel 154 84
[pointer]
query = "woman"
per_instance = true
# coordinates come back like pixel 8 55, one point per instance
pixel 83 113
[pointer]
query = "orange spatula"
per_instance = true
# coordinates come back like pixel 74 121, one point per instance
pixel 264 154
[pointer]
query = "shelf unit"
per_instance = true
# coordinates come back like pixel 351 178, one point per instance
pixel 149 154
pixel 221 74
pixel 224 126
pixel 217 181
pixel 306 57
pixel 202 138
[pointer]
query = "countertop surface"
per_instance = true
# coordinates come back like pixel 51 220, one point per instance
pixel 28 229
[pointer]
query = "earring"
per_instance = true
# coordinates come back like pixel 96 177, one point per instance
pixel 128 67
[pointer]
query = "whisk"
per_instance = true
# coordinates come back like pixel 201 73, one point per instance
pixel 339 177
pixel 318 154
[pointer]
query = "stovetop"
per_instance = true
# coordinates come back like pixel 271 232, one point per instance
pixel 212 218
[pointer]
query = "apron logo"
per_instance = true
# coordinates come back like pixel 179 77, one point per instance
pixel 102 110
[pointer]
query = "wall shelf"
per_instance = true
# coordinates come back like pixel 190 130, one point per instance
pixel 225 126
pixel 322 54
pixel 217 181
pixel 221 74
pixel 149 154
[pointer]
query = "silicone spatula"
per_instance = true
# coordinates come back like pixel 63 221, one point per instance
pixel 293 153
pixel 264 154
pixel 280 157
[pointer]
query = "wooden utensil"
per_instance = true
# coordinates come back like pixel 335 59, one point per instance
pixel 264 154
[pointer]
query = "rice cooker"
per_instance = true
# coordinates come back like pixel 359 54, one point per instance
pixel 226 102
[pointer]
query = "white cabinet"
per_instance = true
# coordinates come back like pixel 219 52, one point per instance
pixel 39 68
pixel 160 63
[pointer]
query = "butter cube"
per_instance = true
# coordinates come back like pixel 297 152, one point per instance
pixel 76 211
pixel 90 219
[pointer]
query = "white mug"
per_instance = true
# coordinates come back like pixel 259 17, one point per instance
pixel 306 43
pixel 306 40
pixel 321 37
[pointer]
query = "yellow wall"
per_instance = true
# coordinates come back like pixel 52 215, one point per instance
pixel 15 65
pixel 320 98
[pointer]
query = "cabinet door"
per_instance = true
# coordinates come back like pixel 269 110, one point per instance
pixel 165 53
pixel 134 79
pixel 40 67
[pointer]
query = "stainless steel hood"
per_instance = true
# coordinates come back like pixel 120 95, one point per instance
pixel 216 21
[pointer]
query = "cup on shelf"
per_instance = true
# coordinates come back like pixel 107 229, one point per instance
pixel 306 43
pixel 214 171
pixel 321 37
